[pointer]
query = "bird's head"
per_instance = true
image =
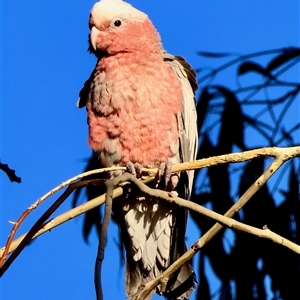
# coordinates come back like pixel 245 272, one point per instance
pixel 116 26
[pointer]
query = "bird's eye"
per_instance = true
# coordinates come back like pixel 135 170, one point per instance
pixel 117 23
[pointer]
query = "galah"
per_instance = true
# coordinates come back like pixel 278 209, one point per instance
pixel 141 113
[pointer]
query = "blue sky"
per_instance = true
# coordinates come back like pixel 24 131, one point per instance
pixel 44 62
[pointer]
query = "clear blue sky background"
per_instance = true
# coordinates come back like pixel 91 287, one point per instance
pixel 44 63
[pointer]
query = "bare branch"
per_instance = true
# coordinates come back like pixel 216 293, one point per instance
pixel 35 228
pixel 110 185
pixel 67 216
pixel 224 220
pixel 281 155
pixel 187 256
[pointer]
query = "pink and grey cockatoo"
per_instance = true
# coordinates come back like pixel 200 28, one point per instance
pixel 141 112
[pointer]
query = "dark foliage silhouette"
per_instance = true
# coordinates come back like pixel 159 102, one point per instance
pixel 237 118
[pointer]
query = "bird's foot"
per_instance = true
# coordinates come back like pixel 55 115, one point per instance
pixel 134 169
pixel 165 172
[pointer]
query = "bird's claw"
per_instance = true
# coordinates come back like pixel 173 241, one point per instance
pixel 134 169
pixel 170 180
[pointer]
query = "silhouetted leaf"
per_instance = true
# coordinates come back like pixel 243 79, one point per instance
pixel 218 258
pixel 283 58
pixel 220 188
pixel 205 148
pixel 252 170
pixel 203 291
pixel 202 105
pixel 294 184
pixel 202 199
pixel 226 293
pixel 214 54
pixel 11 174
pixel 232 128
pixel 249 66
pixel 260 289
pixel 93 217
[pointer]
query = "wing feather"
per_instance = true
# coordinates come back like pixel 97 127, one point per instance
pixel 187 120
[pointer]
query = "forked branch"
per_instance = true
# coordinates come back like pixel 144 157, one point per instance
pixel 280 154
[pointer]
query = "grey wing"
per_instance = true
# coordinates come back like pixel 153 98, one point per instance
pixel 85 91
pixel 187 120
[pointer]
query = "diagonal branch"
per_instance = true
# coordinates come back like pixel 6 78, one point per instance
pixel 35 228
pixel 111 184
pixel 187 256
pixel 282 154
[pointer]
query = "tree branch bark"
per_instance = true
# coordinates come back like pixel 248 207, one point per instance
pixel 281 155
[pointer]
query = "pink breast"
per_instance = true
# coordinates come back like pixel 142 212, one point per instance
pixel 138 119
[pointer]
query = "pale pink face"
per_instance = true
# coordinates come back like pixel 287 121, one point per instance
pixel 118 27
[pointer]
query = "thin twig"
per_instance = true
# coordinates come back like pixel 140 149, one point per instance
pixel 290 152
pixel 188 255
pixel 284 153
pixel 37 226
pixel 110 185
pixel 64 217
pixel 25 214
pixel 238 59
pixel 67 216
pixel 226 221
pixel 71 180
